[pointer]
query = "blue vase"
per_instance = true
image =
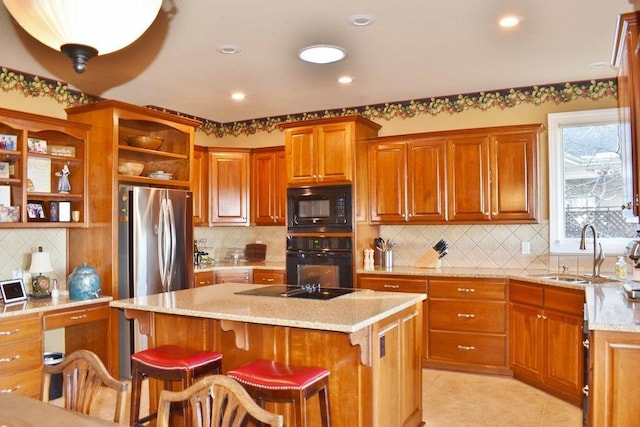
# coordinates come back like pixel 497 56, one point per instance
pixel 84 283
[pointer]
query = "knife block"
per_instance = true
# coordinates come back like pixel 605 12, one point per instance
pixel 431 259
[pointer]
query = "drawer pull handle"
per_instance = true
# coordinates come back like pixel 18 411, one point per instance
pixel 11 390
pixel 82 316
pixel 9 359
pixel 466 315
pixel 270 279
pixel 466 347
pixel 467 290
pixel 391 286
pixel 13 331
pixel 585 390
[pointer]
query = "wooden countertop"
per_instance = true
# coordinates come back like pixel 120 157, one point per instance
pixel 347 313
pixel 47 304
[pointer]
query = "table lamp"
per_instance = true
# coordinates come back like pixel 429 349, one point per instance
pixel 40 263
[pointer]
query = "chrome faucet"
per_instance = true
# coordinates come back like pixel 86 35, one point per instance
pixel 598 256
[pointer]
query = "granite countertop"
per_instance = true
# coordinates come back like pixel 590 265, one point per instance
pixel 609 309
pixel 347 313
pixel 47 304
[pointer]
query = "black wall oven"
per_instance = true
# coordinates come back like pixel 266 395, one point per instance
pixel 322 261
pixel 319 209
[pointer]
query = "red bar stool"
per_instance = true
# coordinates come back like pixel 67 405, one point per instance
pixel 270 381
pixel 169 363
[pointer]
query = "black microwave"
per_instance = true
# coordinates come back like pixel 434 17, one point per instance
pixel 320 209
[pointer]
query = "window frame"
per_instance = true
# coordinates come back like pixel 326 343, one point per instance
pixel 558 243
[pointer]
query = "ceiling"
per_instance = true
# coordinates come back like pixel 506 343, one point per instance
pixel 415 49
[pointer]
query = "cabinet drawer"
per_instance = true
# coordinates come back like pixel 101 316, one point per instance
pixel 394 284
pixel 566 300
pixel 19 329
pixel 486 316
pixel 468 348
pixel 261 277
pixel 203 279
pixel 232 277
pixel 75 317
pixel 467 289
pixel 20 356
pixel 526 293
pixel 23 383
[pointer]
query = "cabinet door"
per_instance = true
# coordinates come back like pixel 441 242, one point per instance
pixel 200 186
pixel 229 188
pixel 564 353
pixel 426 191
pixel 526 341
pixel 335 153
pixel 269 277
pixel 300 145
pixel 387 172
pixel 514 175
pixel 269 187
pixel 468 179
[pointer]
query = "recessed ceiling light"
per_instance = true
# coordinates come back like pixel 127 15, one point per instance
pixel 361 20
pixel 510 21
pixel 229 49
pixel 345 80
pixel 322 54
pixel 238 96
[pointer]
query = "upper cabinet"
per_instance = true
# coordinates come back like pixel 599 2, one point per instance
pixel 200 187
pixel 39 153
pixel 466 176
pixel 324 151
pixel 268 186
pixel 627 59
pixel 229 187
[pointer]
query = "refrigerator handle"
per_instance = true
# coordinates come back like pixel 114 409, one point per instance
pixel 163 243
pixel 172 243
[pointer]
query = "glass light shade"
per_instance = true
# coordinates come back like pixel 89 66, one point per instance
pixel 98 26
pixel 40 263
pixel 322 54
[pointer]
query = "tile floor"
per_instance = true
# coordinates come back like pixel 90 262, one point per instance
pixel 454 399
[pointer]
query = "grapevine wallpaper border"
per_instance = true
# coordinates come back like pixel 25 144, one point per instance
pixel 558 93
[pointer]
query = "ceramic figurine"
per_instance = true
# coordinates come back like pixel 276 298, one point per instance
pixel 63 183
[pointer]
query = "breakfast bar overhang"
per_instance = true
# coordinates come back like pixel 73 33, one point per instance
pixel 369 340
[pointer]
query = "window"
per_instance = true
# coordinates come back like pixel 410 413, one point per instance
pixel 589 181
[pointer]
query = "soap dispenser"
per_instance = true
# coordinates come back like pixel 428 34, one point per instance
pixel 621 268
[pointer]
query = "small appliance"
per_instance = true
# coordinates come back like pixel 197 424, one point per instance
pixel 320 209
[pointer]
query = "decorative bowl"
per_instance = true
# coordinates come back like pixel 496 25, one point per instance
pixel 130 168
pixel 144 141
pixel 160 175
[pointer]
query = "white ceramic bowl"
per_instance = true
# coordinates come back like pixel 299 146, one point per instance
pixel 130 168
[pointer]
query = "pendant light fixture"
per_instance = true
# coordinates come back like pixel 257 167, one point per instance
pixel 82 29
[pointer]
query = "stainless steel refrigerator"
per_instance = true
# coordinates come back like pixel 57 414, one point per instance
pixel 155 253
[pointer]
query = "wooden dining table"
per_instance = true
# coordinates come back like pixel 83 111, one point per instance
pixel 22 411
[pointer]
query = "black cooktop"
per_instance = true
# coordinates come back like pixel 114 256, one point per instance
pixel 308 292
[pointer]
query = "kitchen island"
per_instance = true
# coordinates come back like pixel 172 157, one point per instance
pixel 369 340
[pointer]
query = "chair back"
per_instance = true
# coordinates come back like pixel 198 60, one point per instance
pixel 216 401
pixel 83 376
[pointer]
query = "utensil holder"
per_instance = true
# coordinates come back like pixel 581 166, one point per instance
pixel 431 259
pixel 387 260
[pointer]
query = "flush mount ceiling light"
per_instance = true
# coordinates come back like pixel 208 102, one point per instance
pixel 83 29
pixel 361 20
pixel 322 54
pixel 345 80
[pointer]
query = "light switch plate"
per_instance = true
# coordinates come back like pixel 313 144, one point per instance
pixel 526 248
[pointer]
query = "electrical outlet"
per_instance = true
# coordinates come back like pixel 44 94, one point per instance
pixel 526 248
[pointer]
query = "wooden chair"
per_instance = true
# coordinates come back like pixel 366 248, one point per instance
pixel 83 375
pixel 216 400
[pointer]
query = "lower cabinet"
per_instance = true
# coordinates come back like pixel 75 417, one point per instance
pixel 546 338
pixel 241 275
pixel 467 325
pixel 202 278
pixel 614 378
pixel 21 355
pixel 269 277
pixel 389 283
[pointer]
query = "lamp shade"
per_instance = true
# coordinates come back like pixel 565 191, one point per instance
pixel 103 26
pixel 40 262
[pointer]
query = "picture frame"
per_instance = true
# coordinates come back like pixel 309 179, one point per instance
pixel 12 291
pixel 36 211
pixel 37 145
pixel 54 211
pixel 8 142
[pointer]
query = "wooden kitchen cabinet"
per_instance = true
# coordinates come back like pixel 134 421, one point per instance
pixel 240 275
pixel 546 338
pixel 407 180
pixel 614 378
pixel 202 278
pixel 626 58
pixel 269 277
pixel 390 283
pixel 30 176
pixel 323 150
pixel 268 186
pixel 200 186
pixel 229 187
pixel 21 355
pixel 467 327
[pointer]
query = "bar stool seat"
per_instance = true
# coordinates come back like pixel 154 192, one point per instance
pixel 169 363
pixel 270 381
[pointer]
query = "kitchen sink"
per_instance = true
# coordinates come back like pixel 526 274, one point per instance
pixel 575 278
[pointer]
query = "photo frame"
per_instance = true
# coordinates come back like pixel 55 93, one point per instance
pixel 12 291
pixel 54 211
pixel 36 211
